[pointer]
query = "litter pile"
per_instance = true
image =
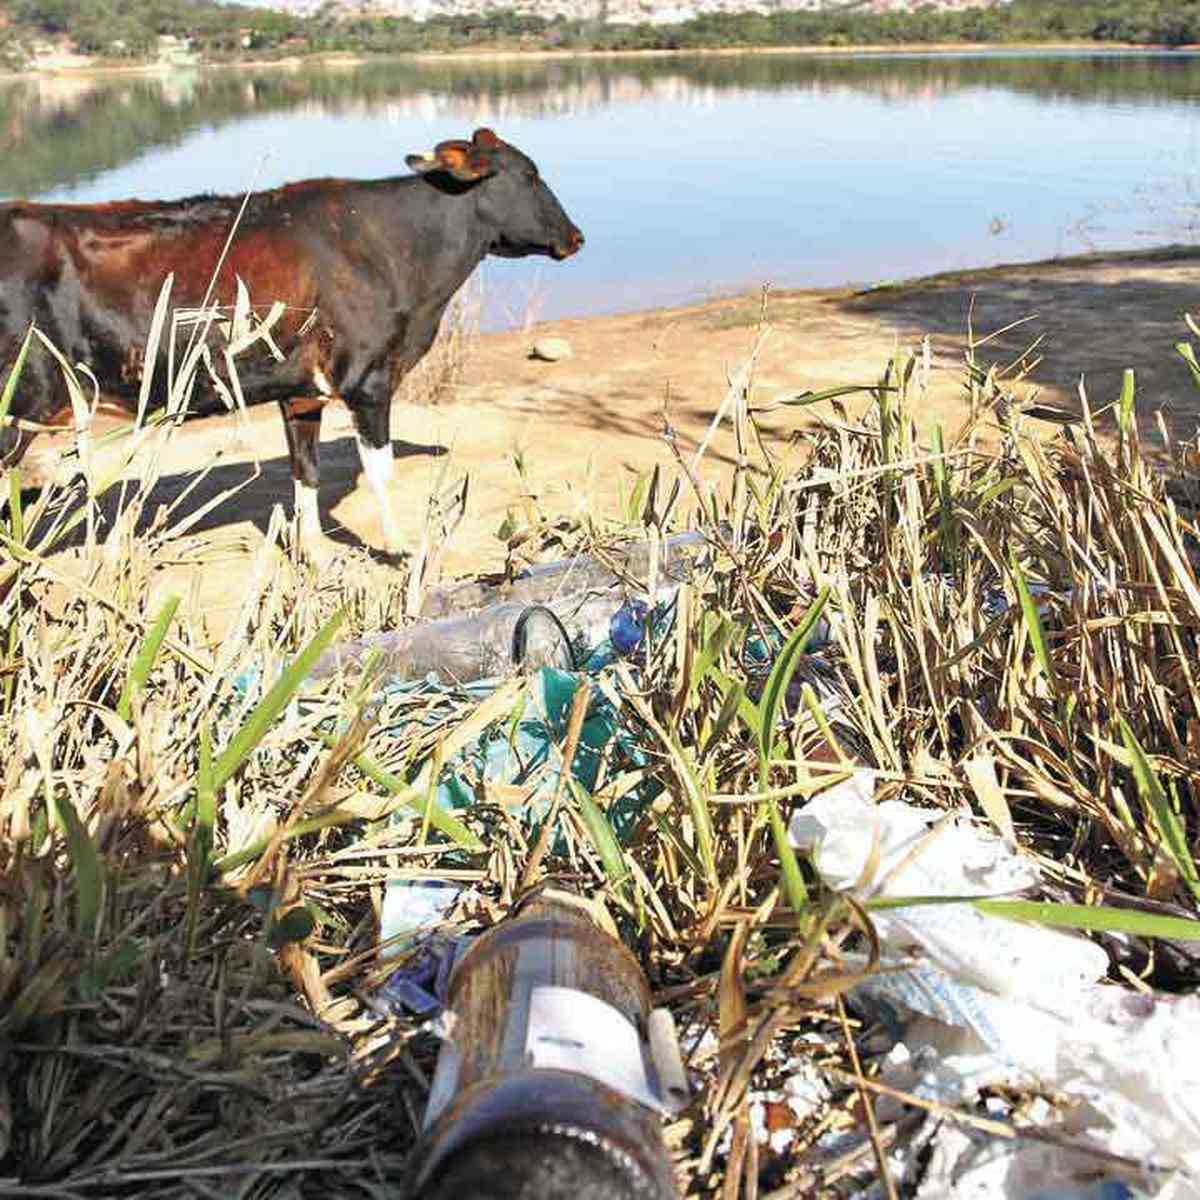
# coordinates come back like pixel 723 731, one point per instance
pixel 978 1006
pixel 564 623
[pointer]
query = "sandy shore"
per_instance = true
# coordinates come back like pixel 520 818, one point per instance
pixel 569 437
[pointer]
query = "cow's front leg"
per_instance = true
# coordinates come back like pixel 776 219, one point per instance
pixel 302 424
pixel 373 425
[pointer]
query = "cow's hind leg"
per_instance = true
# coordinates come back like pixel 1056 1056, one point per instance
pixel 372 424
pixel 302 424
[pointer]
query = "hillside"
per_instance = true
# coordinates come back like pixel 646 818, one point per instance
pixel 616 12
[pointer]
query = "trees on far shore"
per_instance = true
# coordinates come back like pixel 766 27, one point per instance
pixel 132 28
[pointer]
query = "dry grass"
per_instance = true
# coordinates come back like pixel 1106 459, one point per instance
pixel 193 860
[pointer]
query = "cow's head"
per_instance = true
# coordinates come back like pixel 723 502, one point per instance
pixel 512 199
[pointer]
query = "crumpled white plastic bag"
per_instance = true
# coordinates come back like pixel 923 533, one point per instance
pixel 1028 996
pixel 908 851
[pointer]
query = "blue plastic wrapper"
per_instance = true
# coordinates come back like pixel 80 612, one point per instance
pixel 627 627
pixel 1101 1189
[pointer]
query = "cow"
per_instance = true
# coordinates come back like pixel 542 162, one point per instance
pixel 364 268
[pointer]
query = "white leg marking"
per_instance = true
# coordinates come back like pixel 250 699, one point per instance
pixel 308 519
pixel 322 382
pixel 377 464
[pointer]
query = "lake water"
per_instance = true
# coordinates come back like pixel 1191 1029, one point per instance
pixel 690 176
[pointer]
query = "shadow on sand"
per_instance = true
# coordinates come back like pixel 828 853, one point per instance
pixel 234 492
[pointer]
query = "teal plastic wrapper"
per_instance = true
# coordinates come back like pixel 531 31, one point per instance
pixel 520 750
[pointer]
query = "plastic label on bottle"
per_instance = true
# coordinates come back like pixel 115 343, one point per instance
pixel 570 1030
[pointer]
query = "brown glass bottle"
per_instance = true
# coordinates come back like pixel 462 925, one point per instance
pixel 502 1125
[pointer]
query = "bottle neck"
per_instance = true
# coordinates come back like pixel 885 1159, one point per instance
pixel 569 1129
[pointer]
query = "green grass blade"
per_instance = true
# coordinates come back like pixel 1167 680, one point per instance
pixel 325 820
pixel 273 703
pixel 1125 404
pixel 413 796
pixel 713 647
pixel 771 704
pixel 200 843
pixel 833 393
pixel 1094 917
pixel 1037 631
pixel 144 663
pixel 725 718
pixel 995 490
pixel 434 773
pixel 769 709
pixel 206 796
pixel 821 719
pixel 670 833
pixel 14 376
pixel 1170 829
pixel 637 498
pixel 793 880
pixel 697 802
pixel 697 798
pixel 941 482
pixel 89 872
pixel 604 840
pixel 887 431
pixel 747 710
pixel 1185 351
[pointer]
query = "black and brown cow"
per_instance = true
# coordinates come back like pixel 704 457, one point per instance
pixel 365 269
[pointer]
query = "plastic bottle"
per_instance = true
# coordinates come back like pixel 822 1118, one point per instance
pixel 548 583
pixel 472 631
pixel 465 649
pixel 546 1087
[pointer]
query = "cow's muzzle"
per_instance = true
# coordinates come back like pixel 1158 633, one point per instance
pixel 574 242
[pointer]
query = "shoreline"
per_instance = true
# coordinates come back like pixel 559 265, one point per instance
pixel 605 405
pixel 351 59
pixel 1166 253
pixel 873 49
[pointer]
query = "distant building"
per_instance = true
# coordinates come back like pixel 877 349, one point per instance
pixel 176 51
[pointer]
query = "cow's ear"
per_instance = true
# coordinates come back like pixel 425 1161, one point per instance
pixel 423 163
pixel 486 139
pixel 463 160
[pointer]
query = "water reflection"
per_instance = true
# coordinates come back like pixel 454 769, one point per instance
pixel 63 131
pixel 689 175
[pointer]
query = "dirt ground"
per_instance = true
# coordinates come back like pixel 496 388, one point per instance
pixel 582 426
